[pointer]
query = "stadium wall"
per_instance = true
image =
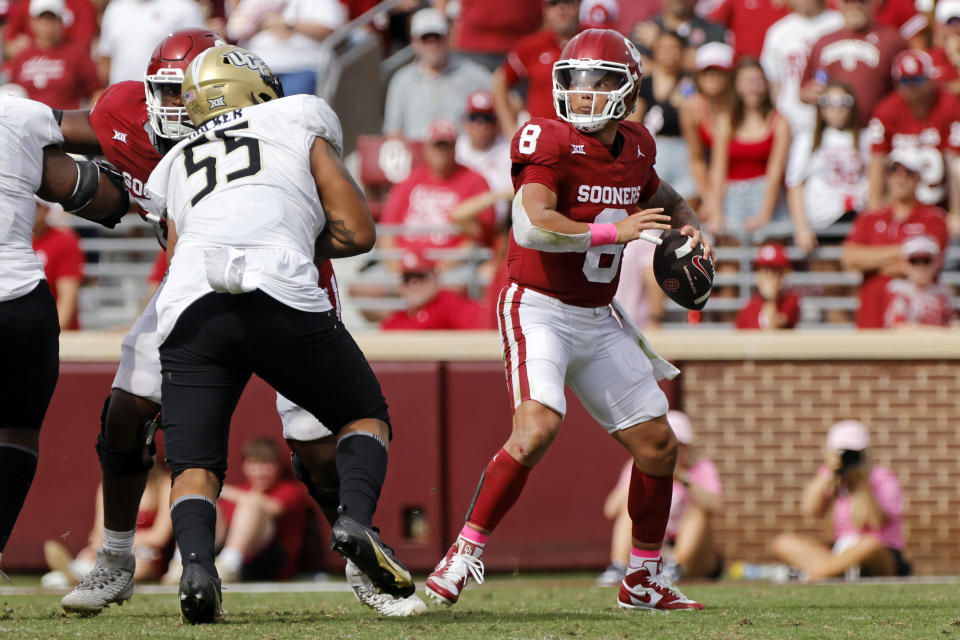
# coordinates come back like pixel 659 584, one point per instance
pixel 760 405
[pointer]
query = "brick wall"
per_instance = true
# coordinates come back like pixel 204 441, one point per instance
pixel 764 424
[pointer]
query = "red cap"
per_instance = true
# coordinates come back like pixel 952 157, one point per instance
pixel 443 130
pixel 772 256
pixel 413 261
pixel 913 63
pixel 480 102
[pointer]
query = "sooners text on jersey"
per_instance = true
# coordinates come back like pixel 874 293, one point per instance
pixel 591 186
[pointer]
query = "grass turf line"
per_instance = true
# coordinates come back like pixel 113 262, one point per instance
pixel 535 608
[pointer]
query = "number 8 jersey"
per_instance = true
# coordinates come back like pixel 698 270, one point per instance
pixel 594 184
pixel 244 201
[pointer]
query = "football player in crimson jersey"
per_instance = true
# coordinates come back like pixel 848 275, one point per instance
pixel 134 124
pixel 585 188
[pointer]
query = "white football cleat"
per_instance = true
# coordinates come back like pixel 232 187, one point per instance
pixel 383 603
pixel 111 580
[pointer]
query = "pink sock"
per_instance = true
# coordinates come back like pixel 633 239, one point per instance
pixel 472 535
pixel 639 556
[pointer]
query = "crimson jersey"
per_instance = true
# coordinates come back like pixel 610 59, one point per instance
pixel 591 186
pixel 894 125
pixel 119 119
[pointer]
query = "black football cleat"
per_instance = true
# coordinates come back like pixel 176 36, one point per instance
pixel 362 546
pixel 199 595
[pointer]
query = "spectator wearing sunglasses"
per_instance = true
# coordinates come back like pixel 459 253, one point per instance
pixel 859 54
pixel 874 246
pixel 435 85
pixel 917 298
pixel 482 148
pixel 827 171
pixel 918 114
pixel 531 61
pixel 426 305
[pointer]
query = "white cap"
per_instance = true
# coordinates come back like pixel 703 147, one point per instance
pixel 599 14
pixel 920 246
pixel 39 7
pixel 714 54
pixel 680 424
pixel 908 157
pixel 428 21
pixel 947 9
pixel 848 435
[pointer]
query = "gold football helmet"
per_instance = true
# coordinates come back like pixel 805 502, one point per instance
pixel 225 78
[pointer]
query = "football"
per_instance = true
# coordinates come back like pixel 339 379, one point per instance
pixel 681 271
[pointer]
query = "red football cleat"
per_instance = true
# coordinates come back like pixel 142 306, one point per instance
pixel 454 571
pixel 649 588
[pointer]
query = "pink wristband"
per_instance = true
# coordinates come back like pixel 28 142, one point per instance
pixel 602 234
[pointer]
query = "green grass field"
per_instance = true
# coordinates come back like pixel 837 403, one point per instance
pixel 545 606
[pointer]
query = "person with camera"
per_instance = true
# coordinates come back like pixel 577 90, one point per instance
pixel 867 510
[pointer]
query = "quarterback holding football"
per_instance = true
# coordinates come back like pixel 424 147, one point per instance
pixel 585 187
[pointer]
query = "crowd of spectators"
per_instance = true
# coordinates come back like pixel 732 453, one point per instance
pixel 779 120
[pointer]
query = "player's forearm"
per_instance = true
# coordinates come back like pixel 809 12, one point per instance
pixel 78 135
pixel 869 258
pixel 537 225
pixel 673 204
pixel 350 229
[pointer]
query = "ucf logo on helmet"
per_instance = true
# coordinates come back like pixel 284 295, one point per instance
pixel 240 58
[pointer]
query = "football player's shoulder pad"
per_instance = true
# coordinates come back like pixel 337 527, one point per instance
pixel 539 141
pixel 317 116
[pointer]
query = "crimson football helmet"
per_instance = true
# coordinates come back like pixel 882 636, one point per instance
pixel 166 67
pixel 597 62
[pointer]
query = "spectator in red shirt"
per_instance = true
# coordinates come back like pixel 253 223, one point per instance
pixel 486 30
pixel 859 55
pixel 427 196
pixel 54 70
pixel 874 244
pixel 265 516
pixel 427 306
pixel 921 115
pixel 773 306
pixel 946 50
pixel 532 60
pixel 79 22
pixel 59 250
pixel 748 21
pixel 917 298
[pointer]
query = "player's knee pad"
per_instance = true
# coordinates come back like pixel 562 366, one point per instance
pixel 116 462
pixel 325 496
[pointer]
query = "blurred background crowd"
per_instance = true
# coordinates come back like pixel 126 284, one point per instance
pixel 817 139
